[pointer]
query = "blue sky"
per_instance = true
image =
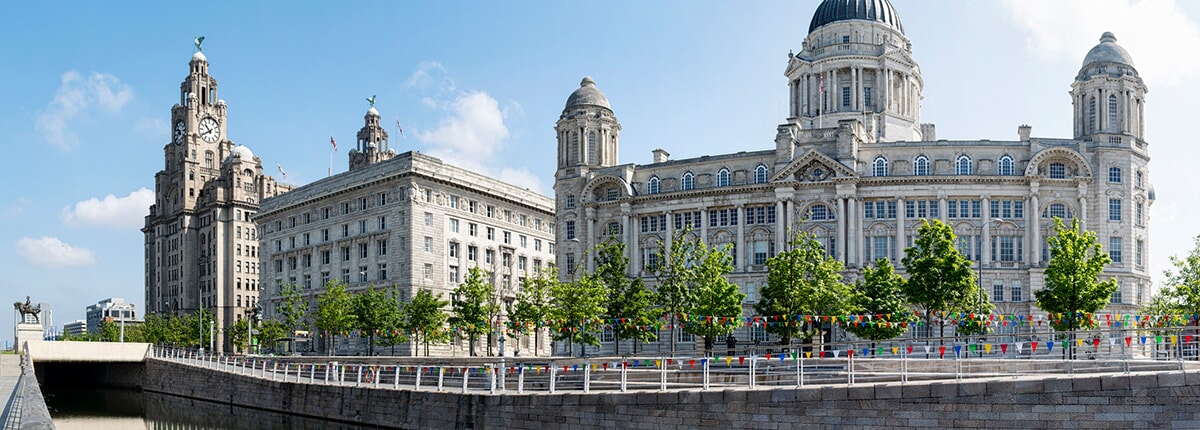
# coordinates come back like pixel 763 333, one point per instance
pixel 87 89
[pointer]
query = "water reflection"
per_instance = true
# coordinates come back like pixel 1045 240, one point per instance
pixel 126 409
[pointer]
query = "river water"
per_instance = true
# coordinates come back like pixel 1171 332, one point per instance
pixel 99 409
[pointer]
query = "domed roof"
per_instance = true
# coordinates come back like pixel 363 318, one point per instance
pixel 241 153
pixel 1108 51
pixel 587 94
pixel 831 11
pixel 372 111
pixel 199 56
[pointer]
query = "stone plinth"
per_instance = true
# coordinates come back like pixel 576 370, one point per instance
pixel 28 333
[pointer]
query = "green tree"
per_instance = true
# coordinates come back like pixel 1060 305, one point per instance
pixel 198 324
pixel 673 294
pixel 575 311
pixel 109 331
pixel 239 334
pixel 717 301
pixel 803 280
pixel 292 309
pixel 1163 302
pixel 270 332
pixel 335 312
pixel 1182 286
pixel 1073 286
pixel 532 307
pixel 880 295
pixel 940 278
pixel 629 302
pixel 376 314
pixel 472 306
pixel 425 318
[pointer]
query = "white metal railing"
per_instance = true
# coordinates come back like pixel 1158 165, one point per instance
pixel 1105 351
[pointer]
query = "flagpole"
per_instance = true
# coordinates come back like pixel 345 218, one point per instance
pixel 331 160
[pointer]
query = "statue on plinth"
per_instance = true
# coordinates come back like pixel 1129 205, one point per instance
pixel 28 308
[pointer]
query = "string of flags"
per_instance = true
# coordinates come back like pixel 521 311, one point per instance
pixel 903 320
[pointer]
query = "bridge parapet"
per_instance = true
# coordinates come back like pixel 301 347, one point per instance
pixel 88 352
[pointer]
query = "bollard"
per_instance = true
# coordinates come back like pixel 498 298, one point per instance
pixel 587 376
pixel 799 368
pixel 286 367
pixel 624 374
pixel 503 376
pixel 466 374
pixel 520 379
pixel 552 378
pixel 662 374
pixel 441 376
pixel 312 373
pixel 417 381
pixel 491 380
pixel 753 358
pixel 705 364
pixel 396 378
pixel 358 375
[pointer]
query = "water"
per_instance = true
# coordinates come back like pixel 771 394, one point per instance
pixel 131 410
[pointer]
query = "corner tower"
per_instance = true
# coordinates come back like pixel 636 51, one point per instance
pixel 372 142
pixel 1108 96
pixel 856 64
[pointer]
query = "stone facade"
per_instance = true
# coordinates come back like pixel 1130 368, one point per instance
pixel 406 220
pixel 853 165
pixel 201 243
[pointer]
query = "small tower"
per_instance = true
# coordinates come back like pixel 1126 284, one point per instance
pixel 372 144
pixel 1108 96
pixel 587 129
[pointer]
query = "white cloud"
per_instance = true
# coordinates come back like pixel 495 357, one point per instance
pixel 74 97
pixel 429 74
pixel 53 253
pixel 1154 32
pixel 153 127
pixel 112 211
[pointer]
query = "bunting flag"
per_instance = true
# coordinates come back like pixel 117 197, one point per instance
pixel 399 128
pixel 333 142
pixel 280 166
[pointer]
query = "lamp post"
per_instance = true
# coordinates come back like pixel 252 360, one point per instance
pixel 982 332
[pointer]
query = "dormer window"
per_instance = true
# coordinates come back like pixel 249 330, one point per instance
pixel 653 185
pixel 687 182
pixel 921 166
pixel 760 174
pixel 962 166
pixel 723 178
pixel 879 167
pixel 1006 166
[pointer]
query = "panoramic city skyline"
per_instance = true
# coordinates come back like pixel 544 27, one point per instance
pixel 481 88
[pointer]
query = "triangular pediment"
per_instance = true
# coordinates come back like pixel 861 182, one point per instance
pixel 813 166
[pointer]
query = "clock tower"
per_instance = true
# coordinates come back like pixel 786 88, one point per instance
pixel 201 243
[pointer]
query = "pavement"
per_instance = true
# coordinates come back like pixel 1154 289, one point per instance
pixel 10 372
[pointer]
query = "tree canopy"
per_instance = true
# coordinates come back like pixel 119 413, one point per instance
pixel 803 280
pixel 425 318
pixel 940 278
pixel 473 305
pixel 532 307
pixel 628 303
pixel 335 314
pixel 575 311
pixel 717 302
pixel 880 296
pixel 1073 287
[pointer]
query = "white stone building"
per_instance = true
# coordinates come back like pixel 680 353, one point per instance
pixel 116 308
pixel 405 220
pixel 201 242
pixel 854 165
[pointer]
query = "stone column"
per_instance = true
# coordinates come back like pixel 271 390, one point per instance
pixel 590 213
pixel 943 207
pixel 780 222
pixel 836 87
pixel 630 247
pixel 900 223
pixel 1083 210
pixel 841 230
pixel 1035 214
pixel 852 257
pixel 704 225
pixel 670 236
pixel 986 242
pixel 740 261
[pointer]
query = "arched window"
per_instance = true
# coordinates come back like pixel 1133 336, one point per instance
pixel 879 167
pixel 820 213
pixel 760 174
pixel 723 177
pixel 962 166
pixel 688 181
pixel 1057 210
pixel 1112 113
pixel 653 185
pixel 1006 166
pixel 1058 171
pixel 921 166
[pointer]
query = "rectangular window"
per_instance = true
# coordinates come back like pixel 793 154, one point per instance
pixel 522 240
pixel 453 225
pixel 998 291
pixel 537 245
pixel 1139 212
pixel 453 274
pixel 570 230
pixel 454 202
pixel 1018 293
pixel 452 248
pixel 362 226
pixel 428 244
pixel 1114 174
pixel 428 272
pixel 845 96
pixel 508 238
pixel 362 272
pixel 324 235
pixel 976 205
pixel 1115 244
pixel 1114 209
pixel 382 269
pixel 383 223
pixel 522 262
pixel 491 233
pixel 345 207
pixel 867 97
pixel 1116 295
pixel 428 219
pixel 471 251
pixel 761 249
pixel 325 256
pixel 362 203
pixel 489 256
pixel 345 230
pixel 473 229
pixel 345 253
pixel 382 246
pixel 1139 252
pixel 362 250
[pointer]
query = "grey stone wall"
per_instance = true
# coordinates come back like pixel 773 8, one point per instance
pixel 1139 400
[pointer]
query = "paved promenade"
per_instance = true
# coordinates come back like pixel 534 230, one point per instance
pixel 10 372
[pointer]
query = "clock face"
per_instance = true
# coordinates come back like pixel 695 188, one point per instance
pixel 180 129
pixel 209 130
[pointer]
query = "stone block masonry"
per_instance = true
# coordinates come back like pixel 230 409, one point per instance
pixel 1147 400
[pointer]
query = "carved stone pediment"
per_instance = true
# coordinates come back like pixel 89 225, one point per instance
pixel 813 166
